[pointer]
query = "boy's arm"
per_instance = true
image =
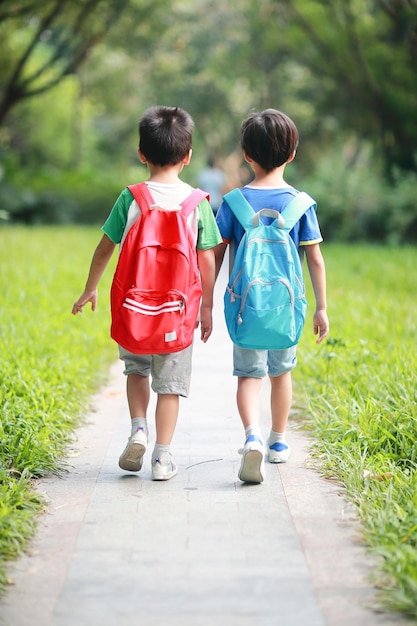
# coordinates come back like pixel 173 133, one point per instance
pixel 99 262
pixel 316 268
pixel 206 264
pixel 219 252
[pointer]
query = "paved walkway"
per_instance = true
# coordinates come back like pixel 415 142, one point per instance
pixel 117 549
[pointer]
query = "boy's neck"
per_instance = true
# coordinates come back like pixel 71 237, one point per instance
pixel 274 178
pixel 169 174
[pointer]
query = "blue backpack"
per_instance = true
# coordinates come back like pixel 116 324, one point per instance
pixel 264 302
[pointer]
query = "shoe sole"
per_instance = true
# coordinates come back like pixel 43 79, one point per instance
pixel 132 460
pixel 250 470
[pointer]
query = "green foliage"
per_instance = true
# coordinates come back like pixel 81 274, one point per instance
pixel 339 67
pixel 355 202
pixel 362 60
pixel 63 197
pixel 18 509
pixel 50 362
pixel 345 71
pixel 44 43
pixel 361 399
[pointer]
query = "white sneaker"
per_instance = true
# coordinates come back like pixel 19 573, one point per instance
pixel 252 468
pixel 278 452
pixel 163 469
pixel 131 458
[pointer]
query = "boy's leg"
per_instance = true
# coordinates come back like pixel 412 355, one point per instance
pixel 138 395
pixel 250 368
pixel 166 416
pixel 248 400
pixel 281 400
pixel 171 375
pixel 137 369
pixel 280 365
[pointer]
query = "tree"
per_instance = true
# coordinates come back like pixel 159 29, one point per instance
pixel 45 42
pixel 364 55
pixel 341 68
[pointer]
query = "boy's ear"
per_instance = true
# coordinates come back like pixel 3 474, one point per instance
pixel 142 157
pixel 247 158
pixel 186 160
pixel 292 157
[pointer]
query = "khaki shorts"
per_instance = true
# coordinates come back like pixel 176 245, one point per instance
pixel 171 373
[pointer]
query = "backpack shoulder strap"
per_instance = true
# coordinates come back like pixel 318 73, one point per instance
pixel 240 207
pixel 144 198
pixel 296 208
pixel 189 204
pixel 142 195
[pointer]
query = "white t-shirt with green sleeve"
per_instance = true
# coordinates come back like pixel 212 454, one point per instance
pixel 125 212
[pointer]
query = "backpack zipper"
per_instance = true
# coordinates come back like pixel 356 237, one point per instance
pixel 231 289
pixel 263 282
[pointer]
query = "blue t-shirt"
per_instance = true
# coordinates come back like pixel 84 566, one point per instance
pixel 305 232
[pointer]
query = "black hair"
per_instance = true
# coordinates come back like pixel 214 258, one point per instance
pixel 165 135
pixel 269 138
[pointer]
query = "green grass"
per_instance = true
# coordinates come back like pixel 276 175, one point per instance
pixel 50 363
pixel 359 389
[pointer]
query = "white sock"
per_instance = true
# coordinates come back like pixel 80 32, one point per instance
pixel 160 452
pixel 139 423
pixel 253 430
pixel 274 437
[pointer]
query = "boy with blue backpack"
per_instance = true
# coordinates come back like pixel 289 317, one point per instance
pixel 265 300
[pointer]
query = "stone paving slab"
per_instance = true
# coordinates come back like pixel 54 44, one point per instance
pixel 115 548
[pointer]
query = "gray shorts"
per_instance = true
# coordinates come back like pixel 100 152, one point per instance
pixel 171 373
pixel 259 363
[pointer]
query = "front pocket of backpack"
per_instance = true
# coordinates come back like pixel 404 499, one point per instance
pixel 154 320
pixel 266 318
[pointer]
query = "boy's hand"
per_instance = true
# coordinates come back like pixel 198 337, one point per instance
pixel 86 296
pixel 206 322
pixel 321 324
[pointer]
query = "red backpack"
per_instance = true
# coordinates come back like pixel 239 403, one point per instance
pixel 156 290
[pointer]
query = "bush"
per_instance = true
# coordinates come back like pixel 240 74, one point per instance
pixel 59 197
pixel 356 203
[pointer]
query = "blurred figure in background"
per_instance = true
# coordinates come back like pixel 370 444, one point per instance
pixel 213 180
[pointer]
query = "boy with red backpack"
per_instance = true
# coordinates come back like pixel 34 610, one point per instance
pixel 142 221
